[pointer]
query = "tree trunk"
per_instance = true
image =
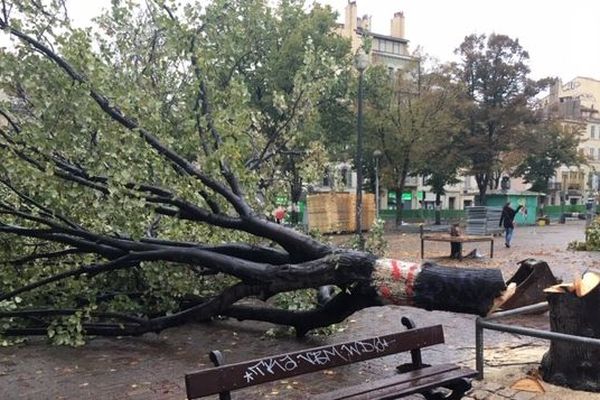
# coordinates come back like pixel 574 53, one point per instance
pixel 574 365
pixel 296 194
pixel 399 202
pixel 438 211
pixel 427 286
pixel 482 184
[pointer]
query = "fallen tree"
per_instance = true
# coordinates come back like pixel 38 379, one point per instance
pixel 132 169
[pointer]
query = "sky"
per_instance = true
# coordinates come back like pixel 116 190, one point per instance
pixel 562 37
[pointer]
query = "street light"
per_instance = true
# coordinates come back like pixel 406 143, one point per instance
pixel 361 62
pixel 377 155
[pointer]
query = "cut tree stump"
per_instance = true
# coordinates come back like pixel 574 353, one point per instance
pixel 574 365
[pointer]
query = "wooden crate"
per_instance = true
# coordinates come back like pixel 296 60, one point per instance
pixel 335 211
pixel 368 212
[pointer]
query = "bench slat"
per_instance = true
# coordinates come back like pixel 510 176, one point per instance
pixel 458 239
pixel 401 385
pixel 249 373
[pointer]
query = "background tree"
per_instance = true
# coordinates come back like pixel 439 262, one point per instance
pixel 440 171
pixel 408 114
pixel 494 73
pixel 129 198
pixel 290 65
pixel 442 161
pixel 548 146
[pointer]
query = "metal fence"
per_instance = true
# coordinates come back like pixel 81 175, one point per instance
pixel 423 215
pixel 486 323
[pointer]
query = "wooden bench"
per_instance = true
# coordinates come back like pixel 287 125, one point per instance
pixel 440 237
pixel 413 377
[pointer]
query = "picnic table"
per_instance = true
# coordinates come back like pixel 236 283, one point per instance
pixel 445 237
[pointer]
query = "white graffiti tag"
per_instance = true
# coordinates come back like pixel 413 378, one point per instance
pixel 342 353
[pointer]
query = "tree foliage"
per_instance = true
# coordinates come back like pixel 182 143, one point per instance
pixel 548 146
pixel 412 119
pixel 496 83
pixel 137 151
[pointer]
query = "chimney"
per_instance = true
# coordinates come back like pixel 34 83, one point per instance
pixel 365 23
pixel 398 25
pixel 351 16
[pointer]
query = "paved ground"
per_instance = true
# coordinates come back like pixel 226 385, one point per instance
pixel 152 367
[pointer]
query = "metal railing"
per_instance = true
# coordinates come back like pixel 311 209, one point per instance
pixel 485 323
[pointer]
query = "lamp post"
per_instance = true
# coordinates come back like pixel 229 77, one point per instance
pixel 377 155
pixel 361 62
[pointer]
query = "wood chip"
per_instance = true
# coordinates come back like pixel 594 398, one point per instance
pixel 529 385
pixel 555 289
pixel 587 283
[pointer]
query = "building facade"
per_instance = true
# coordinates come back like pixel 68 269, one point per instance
pixel 388 50
pixel 575 105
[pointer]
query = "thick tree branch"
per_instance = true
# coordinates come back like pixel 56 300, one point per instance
pixel 336 310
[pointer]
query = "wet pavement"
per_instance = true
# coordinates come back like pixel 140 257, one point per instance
pixel 153 366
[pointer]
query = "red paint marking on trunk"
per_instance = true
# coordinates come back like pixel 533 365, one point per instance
pixel 385 292
pixel 396 272
pixel 410 281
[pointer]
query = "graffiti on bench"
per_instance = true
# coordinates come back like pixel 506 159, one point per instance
pixel 330 355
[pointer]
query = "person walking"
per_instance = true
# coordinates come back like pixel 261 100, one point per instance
pixel 507 220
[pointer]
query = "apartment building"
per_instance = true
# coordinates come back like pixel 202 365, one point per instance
pixel 576 105
pixel 390 50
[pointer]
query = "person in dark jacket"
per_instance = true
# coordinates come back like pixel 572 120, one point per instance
pixel 506 220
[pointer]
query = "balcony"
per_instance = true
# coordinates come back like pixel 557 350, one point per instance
pixel 554 186
pixel 574 186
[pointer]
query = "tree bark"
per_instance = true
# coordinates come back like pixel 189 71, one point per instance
pixel 573 365
pixel 482 185
pixel 438 211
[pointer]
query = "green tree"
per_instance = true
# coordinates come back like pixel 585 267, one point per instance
pixel 549 145
pixel 441 170
pixel 494 73
pixel 290 69
pixel 131 202
pixel 411 118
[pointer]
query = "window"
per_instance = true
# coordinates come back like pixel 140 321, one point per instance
pixel 592 153
pixel 573 175
pixel 389 46
pixel 593 132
